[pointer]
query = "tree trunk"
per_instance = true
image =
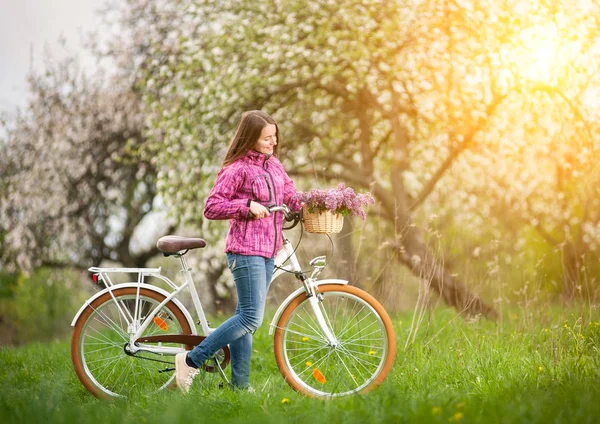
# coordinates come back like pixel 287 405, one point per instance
pixel 344 255
pixel 420 259
pixel 411 248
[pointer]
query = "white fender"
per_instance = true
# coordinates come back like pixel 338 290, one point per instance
pixel 292 296
pixel 165 293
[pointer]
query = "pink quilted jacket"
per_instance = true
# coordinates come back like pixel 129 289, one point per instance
pixel 260 178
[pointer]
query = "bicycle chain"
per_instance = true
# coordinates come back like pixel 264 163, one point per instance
pixel 161 361
pixel 148 359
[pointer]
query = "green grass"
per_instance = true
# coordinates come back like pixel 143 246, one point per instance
pixel 523 369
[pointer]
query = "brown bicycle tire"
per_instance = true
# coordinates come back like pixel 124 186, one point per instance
pixel 329 288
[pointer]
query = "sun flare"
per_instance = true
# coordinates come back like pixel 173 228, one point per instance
pixel 538 54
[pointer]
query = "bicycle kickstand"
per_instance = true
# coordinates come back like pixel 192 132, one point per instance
pixel 221 372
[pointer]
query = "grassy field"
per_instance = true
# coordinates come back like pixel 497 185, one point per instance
pixel 533 368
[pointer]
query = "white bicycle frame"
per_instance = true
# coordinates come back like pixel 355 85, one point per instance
pixel 136 328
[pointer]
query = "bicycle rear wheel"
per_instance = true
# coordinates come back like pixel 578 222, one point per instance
pixel 361 360
pixel 101 336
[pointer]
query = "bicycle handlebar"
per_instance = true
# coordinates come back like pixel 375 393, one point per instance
pixel 290 216
pixel 283 208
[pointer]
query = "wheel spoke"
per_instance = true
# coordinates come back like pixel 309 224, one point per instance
pixel 370 345
pixel 359 360
pixel 354 325
pixel 363 339
pixel 317 363
pixel 110 324
pixel 346 368
pixel 102 338
pixel 314 327
pixel 307 357
pixel 299 333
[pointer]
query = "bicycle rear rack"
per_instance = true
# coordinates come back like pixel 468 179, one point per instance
pixel 103 275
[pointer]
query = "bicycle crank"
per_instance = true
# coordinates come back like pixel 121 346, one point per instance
pixel 222 356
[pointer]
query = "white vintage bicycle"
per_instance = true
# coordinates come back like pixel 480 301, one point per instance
pixel 330 338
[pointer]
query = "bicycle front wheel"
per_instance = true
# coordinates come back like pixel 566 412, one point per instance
pixel 360 360
pixel 100 343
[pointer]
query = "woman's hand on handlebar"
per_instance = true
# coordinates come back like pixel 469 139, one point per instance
pixel 293 217
pixel 282 208
pixel 259 211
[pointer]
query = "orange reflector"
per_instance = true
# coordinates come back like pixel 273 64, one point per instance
pixel 318 376
pixel 161 323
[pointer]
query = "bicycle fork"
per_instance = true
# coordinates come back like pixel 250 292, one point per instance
pixel 315 302
pixel 315 299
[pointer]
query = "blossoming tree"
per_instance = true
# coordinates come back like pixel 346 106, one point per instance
pixel 74 191
pixel 72 194
pixel 358 87
pixel 428 105
pixel 387 96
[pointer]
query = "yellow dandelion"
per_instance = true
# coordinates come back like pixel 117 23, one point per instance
pixel 541 369
pixel 436 410
pixel 372 352
pixel 546 330
pixel 456 417
pixel 308 363
pixel 285 400
pixel 304 339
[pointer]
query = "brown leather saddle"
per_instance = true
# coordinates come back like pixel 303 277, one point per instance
pixel 177 245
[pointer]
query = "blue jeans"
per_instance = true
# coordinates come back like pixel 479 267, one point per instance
pixel 252 275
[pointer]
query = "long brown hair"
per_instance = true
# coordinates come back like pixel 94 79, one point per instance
pixel 247 134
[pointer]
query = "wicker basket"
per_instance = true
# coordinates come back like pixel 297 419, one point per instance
pixel 322 222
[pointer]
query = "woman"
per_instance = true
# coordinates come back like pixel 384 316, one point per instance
pixel 251 179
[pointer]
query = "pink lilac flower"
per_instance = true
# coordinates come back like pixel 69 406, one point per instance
pixel 342 200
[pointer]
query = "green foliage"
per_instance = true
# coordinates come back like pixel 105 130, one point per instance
pixel 521 369
pixel 8 282
pixel 39 307
pixel 493 251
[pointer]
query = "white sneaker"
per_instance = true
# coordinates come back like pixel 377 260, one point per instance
pixel 184 374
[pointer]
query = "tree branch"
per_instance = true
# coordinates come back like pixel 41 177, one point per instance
pixel 467 140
